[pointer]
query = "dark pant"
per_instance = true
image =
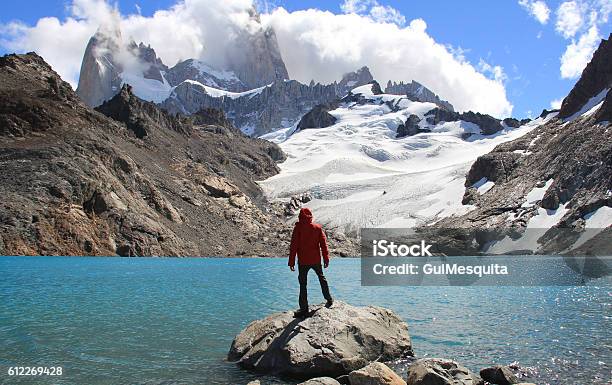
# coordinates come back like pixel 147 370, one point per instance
pixel 303 279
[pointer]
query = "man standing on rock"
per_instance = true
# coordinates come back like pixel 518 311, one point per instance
pixel 308 242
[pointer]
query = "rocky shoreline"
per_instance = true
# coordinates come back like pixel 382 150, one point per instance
pixel 350 345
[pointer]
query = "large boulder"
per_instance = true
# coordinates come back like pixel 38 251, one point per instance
pixel 375 373
pixel 440 371
pixel 500 375
pixel 331 342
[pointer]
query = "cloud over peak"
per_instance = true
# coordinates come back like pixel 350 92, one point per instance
pixel 315 44
pixel 322 46
pixel 580 19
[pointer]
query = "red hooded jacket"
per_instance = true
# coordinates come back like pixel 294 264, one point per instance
pixel 308 241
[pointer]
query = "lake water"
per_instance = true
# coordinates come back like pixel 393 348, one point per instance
pixel 165 321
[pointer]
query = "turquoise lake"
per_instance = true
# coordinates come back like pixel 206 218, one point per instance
pixel 168 321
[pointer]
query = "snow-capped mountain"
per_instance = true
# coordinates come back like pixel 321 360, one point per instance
pixel 256 95
pixel 417 92
pixel 260 111
pixel 557 176
pixel 109 62
pixel 205 74
pixel 382 160
pixel 361 174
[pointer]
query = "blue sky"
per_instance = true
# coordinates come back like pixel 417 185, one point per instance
pixel 500 33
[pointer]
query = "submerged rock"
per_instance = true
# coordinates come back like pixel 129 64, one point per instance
pixel 331 342
pixel 440 371
pixel 500 375
pixel 376 373
pixel 320 381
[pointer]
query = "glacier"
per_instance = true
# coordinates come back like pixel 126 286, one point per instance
pixel 360 175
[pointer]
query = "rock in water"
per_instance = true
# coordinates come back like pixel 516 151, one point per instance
pixel 320 381
pixel 500 375
pixel 440 371
pixel 331 342
pixel 376 373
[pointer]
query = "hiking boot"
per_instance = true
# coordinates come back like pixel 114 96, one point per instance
pixel 302 313
pixel 329 303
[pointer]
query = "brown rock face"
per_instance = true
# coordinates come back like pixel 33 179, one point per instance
pixel 596 76
pixel 76 182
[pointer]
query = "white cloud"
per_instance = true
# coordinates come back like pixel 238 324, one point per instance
pixel 387 14
pixel 322 46
pixel 538 9
pixel 61 44
pixel 556 104
pixel 355 6
pixel 580 19
pixel 569 18
pixel 496 72
pixel 371 8
pixel 578 54
pixel 315 44
pixel 190 29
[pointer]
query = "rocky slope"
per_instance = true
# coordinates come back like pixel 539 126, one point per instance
pixel 559 175
pixel 142 182
pixel 596 77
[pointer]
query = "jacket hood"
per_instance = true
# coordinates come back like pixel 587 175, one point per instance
pixel 305 215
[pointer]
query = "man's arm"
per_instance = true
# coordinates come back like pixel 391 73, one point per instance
pixel 293 248
pixel 324 249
